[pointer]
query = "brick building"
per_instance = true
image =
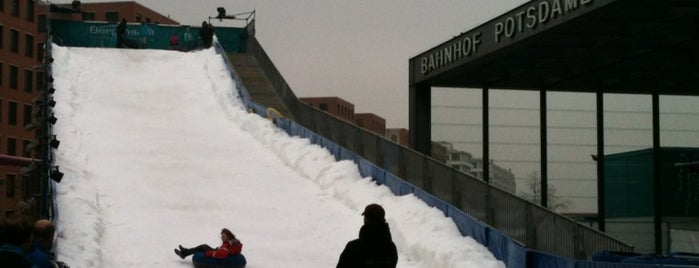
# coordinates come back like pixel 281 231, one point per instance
pixel 371 122
pixel 333 105
pixel 114 12
pixel 22 38
pixel 398 135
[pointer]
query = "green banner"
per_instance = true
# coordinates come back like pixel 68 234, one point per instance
pixel 153 36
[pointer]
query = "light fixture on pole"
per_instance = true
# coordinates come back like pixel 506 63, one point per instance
pixel 55 174
pixel 54 142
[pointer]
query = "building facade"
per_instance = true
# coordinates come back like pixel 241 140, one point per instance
pixel 333 105
pixel 114 12
pixel 463 161
pixel 371 122
pixel 398 135
pixel 22 38
pixel 500 177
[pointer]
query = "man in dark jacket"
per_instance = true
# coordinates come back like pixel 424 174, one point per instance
pixel 17 235
pixel 374 248
pixel 121 33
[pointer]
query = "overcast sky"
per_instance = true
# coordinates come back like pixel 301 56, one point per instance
pixel 357 50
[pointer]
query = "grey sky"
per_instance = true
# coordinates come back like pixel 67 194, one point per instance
pixel 354 49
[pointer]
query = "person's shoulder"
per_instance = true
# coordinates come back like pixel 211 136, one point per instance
pixel 15 260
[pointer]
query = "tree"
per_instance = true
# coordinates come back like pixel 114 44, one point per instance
pixel 555 202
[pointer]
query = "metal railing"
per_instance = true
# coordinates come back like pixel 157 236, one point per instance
pixel 534 226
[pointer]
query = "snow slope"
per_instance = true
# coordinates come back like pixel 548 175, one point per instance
pixel 157 151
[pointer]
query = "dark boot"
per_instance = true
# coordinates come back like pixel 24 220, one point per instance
pixel 179 253
pixel 185 251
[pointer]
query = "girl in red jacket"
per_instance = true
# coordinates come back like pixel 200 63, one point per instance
pixel 230 246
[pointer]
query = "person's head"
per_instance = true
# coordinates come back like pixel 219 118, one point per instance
pixel 44 231
pixel 374 213
pixel 226 235
pixel 17 231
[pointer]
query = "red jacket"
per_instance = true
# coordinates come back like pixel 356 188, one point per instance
pixel 231 247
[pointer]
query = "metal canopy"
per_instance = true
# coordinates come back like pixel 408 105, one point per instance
pixel 617 46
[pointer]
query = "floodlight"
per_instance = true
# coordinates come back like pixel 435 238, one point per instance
pixel 52 119
pixel 54 142
pixel 56 175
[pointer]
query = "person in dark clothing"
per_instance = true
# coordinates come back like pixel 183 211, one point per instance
pixel 40 253
pixel 230 246
pixel 206 34
pixel 374 248
pixel 17 233
pixel 121 33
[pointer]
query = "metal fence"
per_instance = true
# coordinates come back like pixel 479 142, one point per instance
pixel 532 225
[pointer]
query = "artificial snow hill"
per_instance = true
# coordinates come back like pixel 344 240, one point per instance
pixel 158 150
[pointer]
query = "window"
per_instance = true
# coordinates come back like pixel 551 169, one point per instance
pixel 2 35
pixel 13 76
pixel 323 106
pixel 11 146
pixel 26 153
pixel 27 114
pixel 89 16
pixel 148 20
pixel 40 51
pixel 28 81
pixel 12 113
pixel 111 16
pixel 1 73
pixel 39 80
pixel 139 17
pixel 0 110
pixel 14 41
pixel 14 8
pixel 2 5
pixel 10 186
pixel 28 45
pixel 41 25
pixel 30 10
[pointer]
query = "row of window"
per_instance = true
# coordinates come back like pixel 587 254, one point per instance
pixel 9 184
pixel 13 44
pixel 12 113
pixel 15 8
pixel 29 84
pixel 12 149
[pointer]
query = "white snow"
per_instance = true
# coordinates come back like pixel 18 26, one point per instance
pixel 158 150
